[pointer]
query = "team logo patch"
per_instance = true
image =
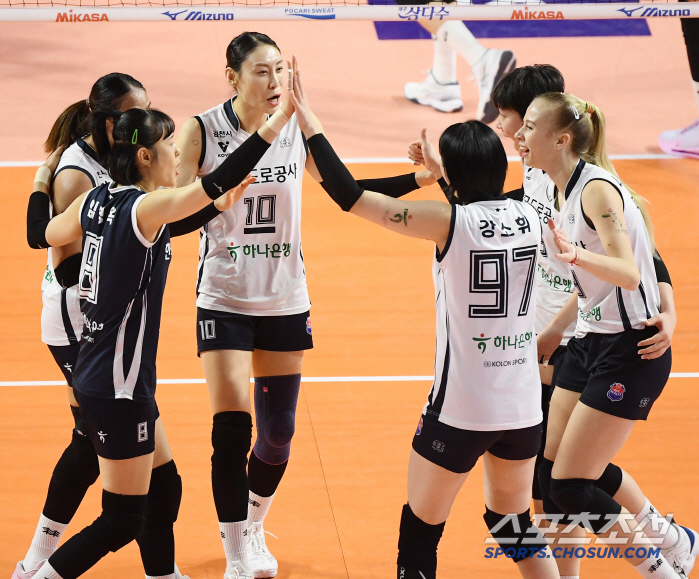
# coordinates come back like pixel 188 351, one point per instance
pixel 419 428
pixel 285 142
pixel 616 392
pixel 644 402
pixel 571 218
pixel 438 446
pixel 309 331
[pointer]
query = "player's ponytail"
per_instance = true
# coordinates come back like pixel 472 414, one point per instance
pixel 474 161
pixel 68 126
pixel 134 129
pixel 242 45
pixel 587 127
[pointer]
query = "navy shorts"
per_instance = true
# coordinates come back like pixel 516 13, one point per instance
pixel 66 357
pixel 458 450
pixel 119 429
pixel 226 331
pixel 610 375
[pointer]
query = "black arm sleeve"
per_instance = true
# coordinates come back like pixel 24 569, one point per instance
pixel 661 271
pixel 194 222
pixel 392 186
pixel 337 180
pixel 516 194
pixel 236 167
pixel 38 217
pixel 448 193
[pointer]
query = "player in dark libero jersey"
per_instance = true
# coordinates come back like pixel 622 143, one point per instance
pixel 126 243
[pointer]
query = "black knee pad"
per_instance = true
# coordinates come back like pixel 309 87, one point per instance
pixel 610 481
pixel 516 535
pixel 119 524
pixel 231 438
pixel 417 544
pixel 164 495
pixel 82 455
pixel 576 496
pixel 275 416
pixel 77 415
pixel 545 468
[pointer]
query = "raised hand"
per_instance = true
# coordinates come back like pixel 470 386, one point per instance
pixel 308 122
pixel 431 159
pixel 226 200
pixel 569 252
pixel 287 105
pixel 415 153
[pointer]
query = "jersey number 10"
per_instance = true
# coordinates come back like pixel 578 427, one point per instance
pixel 489 275
pixel 262 209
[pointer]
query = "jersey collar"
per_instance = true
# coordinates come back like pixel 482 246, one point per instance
pixel 87 149
pixel 574 178
pixel 229 111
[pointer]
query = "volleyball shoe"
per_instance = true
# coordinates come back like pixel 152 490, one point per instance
pixel 262 562
pixel 445 98
pixel 683 142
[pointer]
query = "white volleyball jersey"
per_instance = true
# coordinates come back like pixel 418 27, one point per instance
pixel 604 308
pixel 61 320
pixel 553 279
pixel 486 370
pixel 250 256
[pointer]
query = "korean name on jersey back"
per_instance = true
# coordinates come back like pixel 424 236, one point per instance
pixel 486 372
pixel 605 308
pixel 122 280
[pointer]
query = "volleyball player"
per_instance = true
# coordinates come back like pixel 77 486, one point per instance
pixel 685 142
pixel 484 401
pixel 127 251
pixel 252 300
pixel 604 386
pixel 440 90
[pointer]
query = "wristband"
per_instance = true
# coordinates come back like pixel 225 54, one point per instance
pixel 575 256
pixel 277 121
pixel 43 175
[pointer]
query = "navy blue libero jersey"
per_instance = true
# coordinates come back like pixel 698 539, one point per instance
pixel 122 280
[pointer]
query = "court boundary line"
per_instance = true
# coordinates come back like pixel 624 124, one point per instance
pixel 309 379
pixel 378 160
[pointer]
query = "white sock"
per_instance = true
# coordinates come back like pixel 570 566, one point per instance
pixel 178 575
pixel 695 86
pixel 655 526
pixel 656 568
pixel 258 507
pixel 444 61
pixel 235 540
pixel 170 576
pixel 456 35
pixel 46 538
pixel 570 576
pixel 47 572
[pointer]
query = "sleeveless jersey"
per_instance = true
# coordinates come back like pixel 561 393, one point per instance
pixel 122 280
pixel 61 320
pixel 602 307
pixel 486 370
pixel 250 257
pixel 553 280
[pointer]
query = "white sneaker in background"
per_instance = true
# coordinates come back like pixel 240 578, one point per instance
pixel 445 98
pixel 236 570
pixel 684 142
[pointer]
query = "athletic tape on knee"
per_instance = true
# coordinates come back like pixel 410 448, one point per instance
pixel 275 416
pixel 610 481
pixel 516 534
pixel 585 503
pixel 164 495
pixel 417 542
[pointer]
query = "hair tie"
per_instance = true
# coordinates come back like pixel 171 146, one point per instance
pixel 589 107
pixel 134 139
pixel 575 112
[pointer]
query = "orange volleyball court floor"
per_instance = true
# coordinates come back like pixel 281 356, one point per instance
pixel 337 510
